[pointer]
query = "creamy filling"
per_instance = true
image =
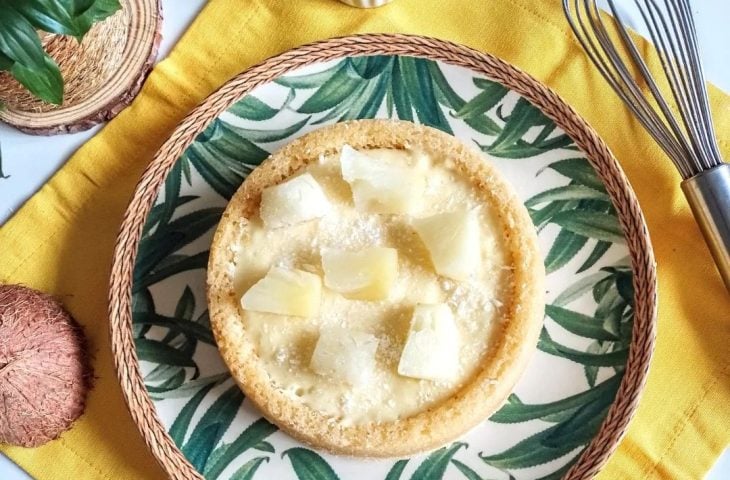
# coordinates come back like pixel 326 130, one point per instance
pixel 285 344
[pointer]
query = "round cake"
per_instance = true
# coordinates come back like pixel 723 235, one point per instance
pixel 376 288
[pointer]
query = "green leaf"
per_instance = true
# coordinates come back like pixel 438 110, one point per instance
pixel 591 372
pixel 346 108
pixel 601 287
pixel 263 136
pixel 542 216
pixel 174 324
pixel 612 321
pixel 249 438
pixel 566 246
pixel 596 254
pixel 45 82
pixel 482 83
pixel 168 378
pixel 308 465
pixel 447 96
pixel 444 92
pixel 516 412
pixel 6 62
pixel 170 260
pixel 370 66
pixel 211 427
pixel 610 310
pixel 601 226
pixel 248 470
pixel 182 422
pixel 578 170
pixel 19 40
pixel 401 97
pixel 201 443
pixel 610 359
pixel 203 320
pixel 578 323
pixel 222 172
pixel 159 211
pixel 48 15
pixel 466 470
pixel 177 234
pixel 264 446
pixel 223 158
pixel 336 89
pixel 188 388
pixel 519 149
pixel 397 470
pixel 186 172
pixel 183 264
pixel 542 142
pixel 610 300
pixel 186 345
pixel 78 7
pixel 625 286
pixel 482 102
pixel 251 108
pixel 483 124
pixel 21 48
pixel 161 372
pixel 366 103
pixel 523 117
pixel 579 288
pixel 582 426
pixel 560 141
pixel 66 17
pixel 98 11
pixel 554 442
pixel 417 80
pixel 158 352
pixel 389 100
pixel 312 80
pixel 173 381
pixel 567 192
pixel 143 302
pixel 434 466
pixel 185 305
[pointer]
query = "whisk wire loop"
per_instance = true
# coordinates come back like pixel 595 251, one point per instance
pixel 674 109
pixel 679 119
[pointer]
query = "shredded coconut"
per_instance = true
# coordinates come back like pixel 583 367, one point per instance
pixel 281 356
pixel 365 230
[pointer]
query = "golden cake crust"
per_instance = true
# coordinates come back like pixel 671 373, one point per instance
pixel 481 396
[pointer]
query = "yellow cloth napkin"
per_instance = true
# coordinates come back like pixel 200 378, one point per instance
pixel 61 241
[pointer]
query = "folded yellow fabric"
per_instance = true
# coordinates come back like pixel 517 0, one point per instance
pixel 61 241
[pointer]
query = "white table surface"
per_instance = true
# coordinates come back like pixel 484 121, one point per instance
pixel 29 161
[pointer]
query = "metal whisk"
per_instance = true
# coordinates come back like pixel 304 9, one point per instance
pixel 678 117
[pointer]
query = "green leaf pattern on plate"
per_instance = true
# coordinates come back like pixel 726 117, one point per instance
pixel 584 343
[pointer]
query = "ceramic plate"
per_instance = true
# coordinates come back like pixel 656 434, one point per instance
pixel 572 381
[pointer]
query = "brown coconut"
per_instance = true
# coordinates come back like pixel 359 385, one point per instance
pixel 44 367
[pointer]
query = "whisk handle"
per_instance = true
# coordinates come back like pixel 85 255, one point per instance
pixel 708 194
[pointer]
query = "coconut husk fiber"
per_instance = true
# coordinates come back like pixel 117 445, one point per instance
pixel 45 372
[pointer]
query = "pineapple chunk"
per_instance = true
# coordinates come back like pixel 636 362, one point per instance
pixel 366 274
pixel 378 186
pixel 452 240
pixel 294 201
pixel 345 355
pixel 285 292
pixel 432 348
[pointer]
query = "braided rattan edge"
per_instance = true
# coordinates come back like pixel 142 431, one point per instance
pixel 642 258
pixel 143 38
